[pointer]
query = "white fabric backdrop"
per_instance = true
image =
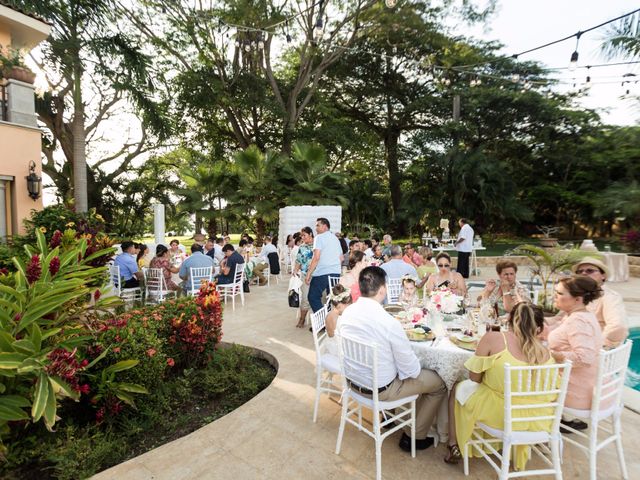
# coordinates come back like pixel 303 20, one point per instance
pixel 292 219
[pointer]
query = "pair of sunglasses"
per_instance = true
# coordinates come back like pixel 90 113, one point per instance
pixel 444 265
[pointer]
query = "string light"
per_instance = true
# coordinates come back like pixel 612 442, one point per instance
pixel 390 3
pixel 574 56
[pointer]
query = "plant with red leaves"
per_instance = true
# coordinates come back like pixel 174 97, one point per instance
pixel 34 269
pixel 56 239
pixel 54 266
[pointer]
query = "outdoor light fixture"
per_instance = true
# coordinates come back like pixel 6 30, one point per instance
pixel 574 56
pixel 390 3
pixel 34 182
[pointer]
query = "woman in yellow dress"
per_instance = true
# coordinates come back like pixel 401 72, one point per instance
pixel 481 399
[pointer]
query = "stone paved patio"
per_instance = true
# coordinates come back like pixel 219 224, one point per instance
pixel 272 436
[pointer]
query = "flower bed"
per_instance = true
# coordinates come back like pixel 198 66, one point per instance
pixel 84 386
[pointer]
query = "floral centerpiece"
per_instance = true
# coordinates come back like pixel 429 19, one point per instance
pixel 443 300
pixel 415 315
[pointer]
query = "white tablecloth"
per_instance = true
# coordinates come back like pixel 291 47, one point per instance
pixel 448 361
pixel 445 358
pixel 618 264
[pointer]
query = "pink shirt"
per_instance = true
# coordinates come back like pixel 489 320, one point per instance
pixel 415 259
pixel 579 338
pixel 355 292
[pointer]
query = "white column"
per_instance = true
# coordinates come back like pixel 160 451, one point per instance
pixel 158 222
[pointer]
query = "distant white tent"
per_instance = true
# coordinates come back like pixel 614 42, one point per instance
pixel 292 219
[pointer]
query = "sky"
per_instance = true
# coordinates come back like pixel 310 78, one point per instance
pixel 524 24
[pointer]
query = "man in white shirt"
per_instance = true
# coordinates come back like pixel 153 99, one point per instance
pixel 399 371
pixel 263 260
pixel 464 246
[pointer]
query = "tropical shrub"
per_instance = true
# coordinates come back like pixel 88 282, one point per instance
pixel 43 332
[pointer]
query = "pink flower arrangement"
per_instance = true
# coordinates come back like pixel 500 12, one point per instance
pixel 443 300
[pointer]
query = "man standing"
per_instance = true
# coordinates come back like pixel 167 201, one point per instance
pixel 128 265
pixel 464 246
pixel 196 260
pixel 228 264
pixel 327 259
pixel 399 371
pixel 208 246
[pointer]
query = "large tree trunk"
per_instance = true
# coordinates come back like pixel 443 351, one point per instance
pixel 79 143
pixel 395 179
pixel 212 228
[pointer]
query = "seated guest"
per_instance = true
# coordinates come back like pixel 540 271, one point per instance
pixel 609 308
pixel 357 262
pixel 396 267
pixel 263 260
pixel 141 258
pixel 409 296
pixel 228 264
pixel 399 371
pixel 200 239
pixel 377 258
pixel 446 278
pixel 577 336
pixel 428 265
pixel 176 254
pixel 386 245
pixel 481 398
pixel 368 251
pixel 162 261
pixel 216 251
pixel 504 293
pixel 129 272
pixel 340 298
pixel 197 259
pixel 354 246
pixel 208 246
pixel 411 256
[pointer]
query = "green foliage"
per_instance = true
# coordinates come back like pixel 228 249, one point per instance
pixel 548 265
pixel 40 332
pixel 179 405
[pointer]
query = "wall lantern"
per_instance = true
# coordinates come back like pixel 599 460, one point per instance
pixel 34 182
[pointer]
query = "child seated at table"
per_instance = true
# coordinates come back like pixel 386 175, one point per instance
pixel 340 299
pixel 409 296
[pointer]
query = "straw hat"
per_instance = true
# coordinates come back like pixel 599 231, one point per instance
pixel 592 261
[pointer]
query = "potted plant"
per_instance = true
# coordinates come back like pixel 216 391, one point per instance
pixel 547 241
pixel 13 67
pixel 548 265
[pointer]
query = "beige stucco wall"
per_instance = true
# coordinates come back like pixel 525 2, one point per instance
pixel 5 36
pixel 18 146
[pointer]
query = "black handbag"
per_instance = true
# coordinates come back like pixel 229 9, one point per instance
pixel 245 286
pixel 294 299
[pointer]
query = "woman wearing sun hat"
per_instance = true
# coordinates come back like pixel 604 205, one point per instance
pixel 609 308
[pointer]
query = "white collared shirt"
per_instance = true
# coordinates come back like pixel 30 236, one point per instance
pixel 367 321
pixel 466 233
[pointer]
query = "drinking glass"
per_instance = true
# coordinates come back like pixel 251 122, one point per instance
pixel 607 248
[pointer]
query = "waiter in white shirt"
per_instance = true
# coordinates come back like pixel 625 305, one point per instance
pixel 399 370
pixel 464 246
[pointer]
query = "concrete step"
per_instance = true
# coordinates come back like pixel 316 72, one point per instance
pixel 634 260
pixel 634 270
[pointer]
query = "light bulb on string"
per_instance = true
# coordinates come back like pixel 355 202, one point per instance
pixel 390 3
pixel 247 47
pixel 573 63
pixel 515 77
pixel 261 44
